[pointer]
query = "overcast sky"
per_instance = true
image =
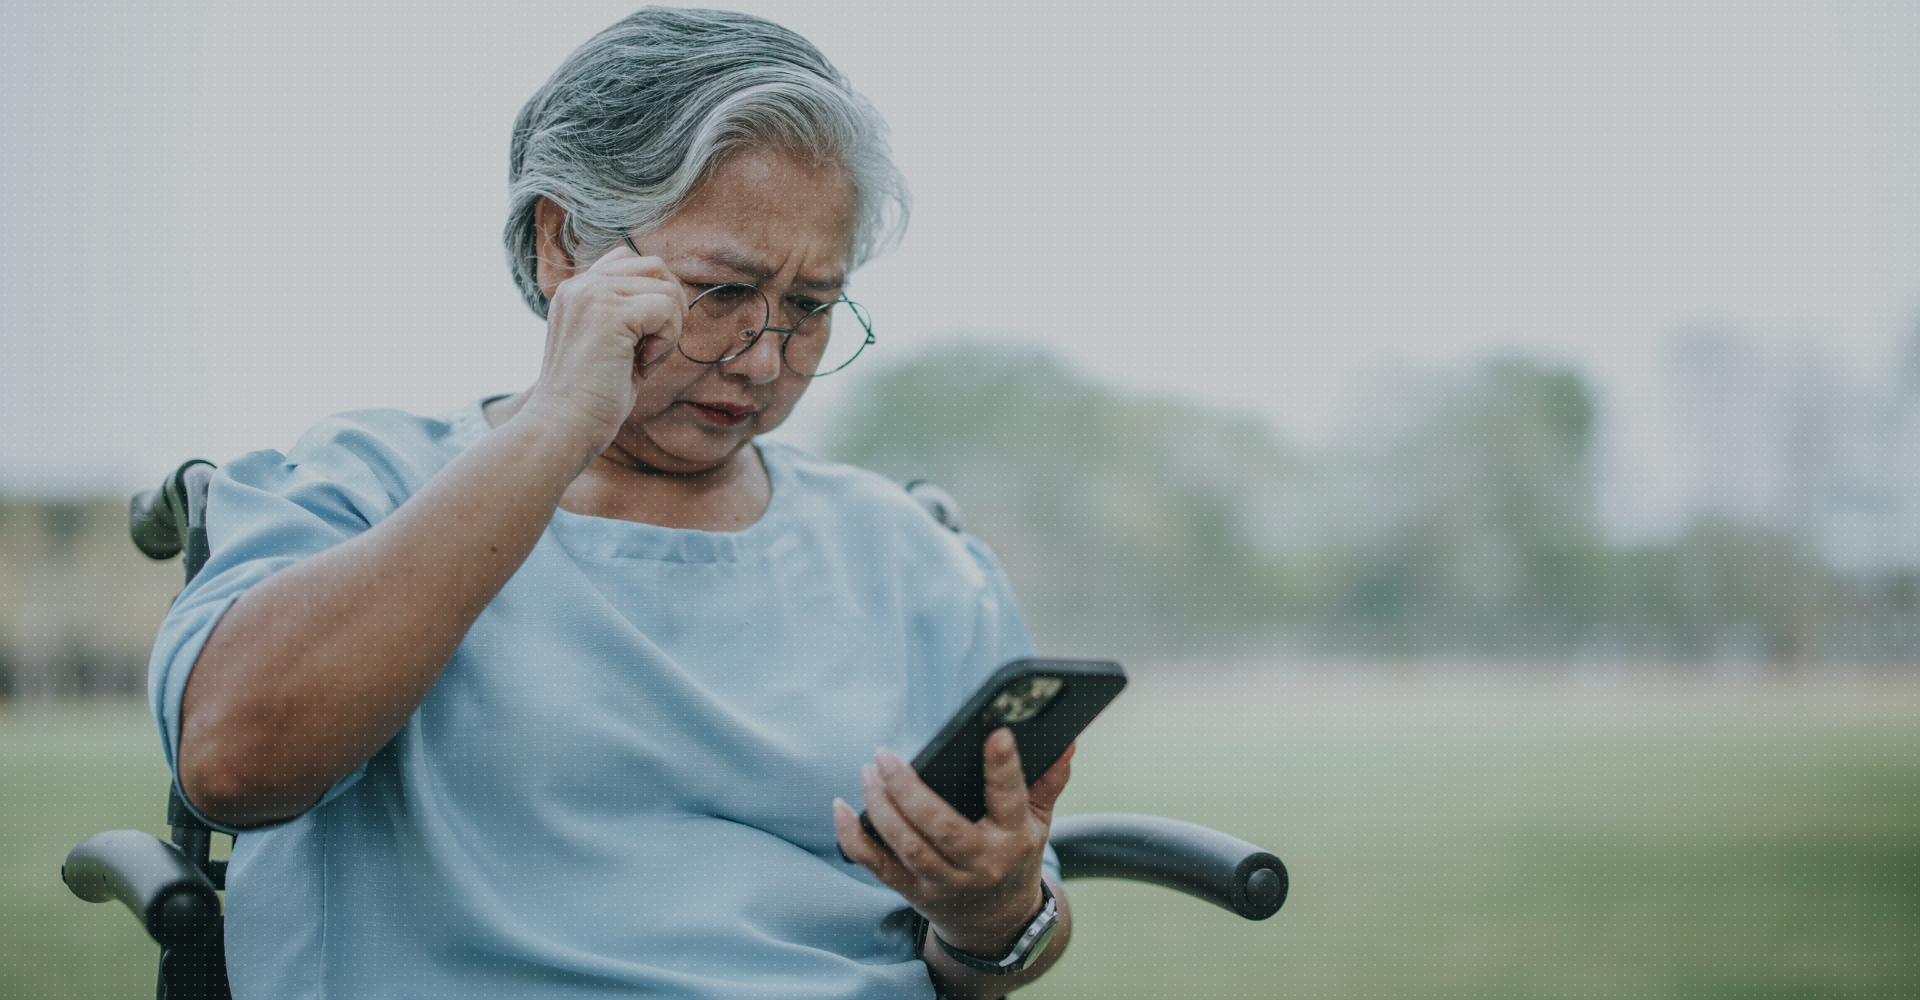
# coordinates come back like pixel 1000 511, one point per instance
pixel 226 221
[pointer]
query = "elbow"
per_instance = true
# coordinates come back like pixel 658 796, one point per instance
pixel 233 764
pixel 213 790
pixel 232 786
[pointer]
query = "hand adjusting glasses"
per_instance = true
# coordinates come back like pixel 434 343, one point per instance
pixel 726 321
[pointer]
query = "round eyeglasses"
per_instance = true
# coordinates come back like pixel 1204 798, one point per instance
pixel 726 321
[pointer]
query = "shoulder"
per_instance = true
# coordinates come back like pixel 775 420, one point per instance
pixel 392 432
pixel 375 458
pixel 866 509
pixel 883 542
pixel 811 472
pixel 845 492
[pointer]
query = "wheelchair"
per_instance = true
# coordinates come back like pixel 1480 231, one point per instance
pixel 173 888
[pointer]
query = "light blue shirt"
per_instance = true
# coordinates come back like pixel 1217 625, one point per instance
pixel 621 784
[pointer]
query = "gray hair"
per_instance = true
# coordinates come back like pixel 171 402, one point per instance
pixel 631 123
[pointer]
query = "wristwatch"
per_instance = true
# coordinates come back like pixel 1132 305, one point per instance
pixel 1033 942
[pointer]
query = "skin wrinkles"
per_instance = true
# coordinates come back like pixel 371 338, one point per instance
pixel 764 214
pixel 332 654
pixel 743 265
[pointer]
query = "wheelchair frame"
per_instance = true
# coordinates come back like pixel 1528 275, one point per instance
pixel 173 888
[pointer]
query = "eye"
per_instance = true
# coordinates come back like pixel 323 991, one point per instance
pixel 809 312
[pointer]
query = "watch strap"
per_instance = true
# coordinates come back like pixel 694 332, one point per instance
pixel 921 929
pixel 1034 939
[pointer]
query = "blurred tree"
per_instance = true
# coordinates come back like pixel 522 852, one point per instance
pixel 1457 515
pixel 1475 527
pixel 1122 521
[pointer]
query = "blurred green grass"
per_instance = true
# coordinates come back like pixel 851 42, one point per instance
pixel 1485 834
pixel 69 769
pixel 1449 835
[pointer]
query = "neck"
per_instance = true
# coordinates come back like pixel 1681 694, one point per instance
pixel 731 497
pixel 728 497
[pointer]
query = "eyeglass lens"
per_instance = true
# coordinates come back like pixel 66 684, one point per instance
pixel 725 321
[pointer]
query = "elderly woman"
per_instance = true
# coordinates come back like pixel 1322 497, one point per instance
pixel 563 693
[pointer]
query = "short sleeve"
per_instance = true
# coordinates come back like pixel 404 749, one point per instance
pixel 1001 632
pixel 267 511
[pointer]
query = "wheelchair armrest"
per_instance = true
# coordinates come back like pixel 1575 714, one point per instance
pixel 178 906
pixel 171 899
pixel 1206 864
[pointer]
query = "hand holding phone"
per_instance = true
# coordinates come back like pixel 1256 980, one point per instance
pixel 1047 703
pixel 975 884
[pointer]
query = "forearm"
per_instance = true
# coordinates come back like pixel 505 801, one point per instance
pixel 315 668
pixel 954 980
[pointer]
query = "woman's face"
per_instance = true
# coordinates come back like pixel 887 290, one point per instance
pixel 768 219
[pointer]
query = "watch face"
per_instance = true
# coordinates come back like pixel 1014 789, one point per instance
pixel 1039 932
pixel 1032 944
pixel 1039 946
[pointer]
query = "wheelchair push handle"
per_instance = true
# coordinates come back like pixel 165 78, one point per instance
pixel 1206 864
pixel 172 517
pixel 169 896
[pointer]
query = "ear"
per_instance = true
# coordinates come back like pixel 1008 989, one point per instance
pixel 553 264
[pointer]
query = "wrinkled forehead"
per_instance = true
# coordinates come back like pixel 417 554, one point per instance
pixel 764 214
pixel 758 268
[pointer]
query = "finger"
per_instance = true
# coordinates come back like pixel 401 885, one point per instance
pixel 649 310
pixel 1006 785
pixel 863 849
pixel 933 818
pixel 647 299
pixel 1042 794
pixel 896 820
pixel 655 343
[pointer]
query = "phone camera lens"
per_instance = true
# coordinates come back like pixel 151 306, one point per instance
pixel 1024 701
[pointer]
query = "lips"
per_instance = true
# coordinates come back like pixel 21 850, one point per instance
pixel 724 414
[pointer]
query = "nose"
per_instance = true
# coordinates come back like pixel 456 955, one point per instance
pixel 760 363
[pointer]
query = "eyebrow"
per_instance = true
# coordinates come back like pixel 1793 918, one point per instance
pixel 740 263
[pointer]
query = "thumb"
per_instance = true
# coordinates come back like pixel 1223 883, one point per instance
pixel 1007 800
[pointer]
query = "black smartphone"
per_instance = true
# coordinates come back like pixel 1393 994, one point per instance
pixel 1045 702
